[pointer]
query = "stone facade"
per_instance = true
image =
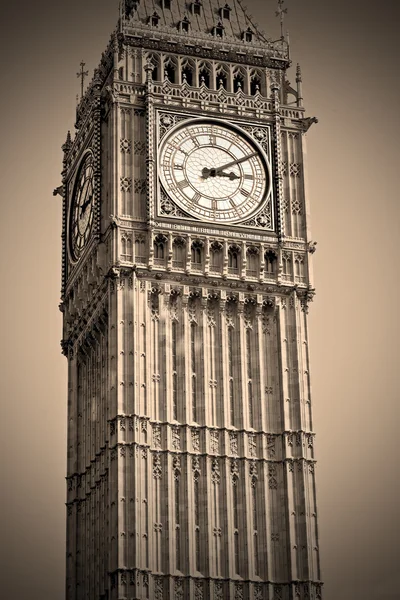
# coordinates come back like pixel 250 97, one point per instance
pixel 190 440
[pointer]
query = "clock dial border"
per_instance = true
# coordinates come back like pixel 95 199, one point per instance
pixel 81 184
pixel 181 209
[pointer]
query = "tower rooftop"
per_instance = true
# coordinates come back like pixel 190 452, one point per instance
pixel 203 16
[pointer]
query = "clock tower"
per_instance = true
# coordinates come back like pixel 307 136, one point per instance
pixel 186 283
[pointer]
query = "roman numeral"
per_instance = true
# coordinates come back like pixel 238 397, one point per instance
pixel 195 142
pixel 180 167
pixel 213 140
pixel 180 149
pixel 249 177
pixel 244 192
pixel 196 197
pixel 182 184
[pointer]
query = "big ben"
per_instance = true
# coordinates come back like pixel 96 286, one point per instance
pixel 186 284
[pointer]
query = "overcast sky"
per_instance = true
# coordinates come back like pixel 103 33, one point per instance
pixel 349 56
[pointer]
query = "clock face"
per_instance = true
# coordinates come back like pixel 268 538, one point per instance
pixel 81 213
pixel 214 172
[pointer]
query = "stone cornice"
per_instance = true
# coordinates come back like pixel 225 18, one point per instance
pixel 269 54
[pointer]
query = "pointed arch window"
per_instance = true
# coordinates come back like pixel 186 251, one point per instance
pixel 233 259
pixel 299 267
pixel 140 250
pixel 187 72
pixel 170 69
pixel 196 7
pixel 287 265
pixel 219 30
pixel 216 257
pixel 222 77
pixel 252 262
pixel 197 253
pixel 270 263
pixel 225 12
pixel 184 26
pixel 204 74
pixel 154 19
pixel 126 248
pixel 178 253
pixel 239 79
pixel 255 82
pixel 247 36
pixel 159 248
pixel 154 59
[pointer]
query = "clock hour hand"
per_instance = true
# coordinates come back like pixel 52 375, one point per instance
pixel 231 175
pixel 84 205
pixel 214 172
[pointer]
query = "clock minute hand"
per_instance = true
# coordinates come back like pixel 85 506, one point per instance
pixel 235 162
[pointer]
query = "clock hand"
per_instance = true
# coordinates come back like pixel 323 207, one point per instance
pixel 206 173
pixel 230 175
pixel 84 205
pixel 214 172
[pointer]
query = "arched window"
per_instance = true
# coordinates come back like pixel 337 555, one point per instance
pixel 184 25
pixel 225 12
pixel 170 70
pixel 252 262
pixel 121 73
pixel 196 7
pixel 238 81
pixel 270 263
pixel 255 82
pixel 178 253
pixel 218 30
pixel 204 74
pixel 154 19
pixel 216 257
pixel 287 265
pixel 247 36
pixel 197 247
pixel 221 77
pixel 187 72
pixel 233 259
pixel 299 267
pixel 159 248
pixel 154 59
pixel 129 249
pixel 126 248
pixel 140 250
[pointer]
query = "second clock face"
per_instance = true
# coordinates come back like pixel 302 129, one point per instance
pixel 81 215
pixel 213 172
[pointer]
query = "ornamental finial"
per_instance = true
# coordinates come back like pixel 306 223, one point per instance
pixel 128 6
pixel 82 74
pixel 281 12
pixel 67 144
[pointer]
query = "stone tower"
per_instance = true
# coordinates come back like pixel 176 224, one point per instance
pixel 186 281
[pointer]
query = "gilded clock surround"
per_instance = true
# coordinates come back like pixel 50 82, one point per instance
pixel 257 212
pixel 198 144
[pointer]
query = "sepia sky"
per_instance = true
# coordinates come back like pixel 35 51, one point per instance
pixel 349 56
